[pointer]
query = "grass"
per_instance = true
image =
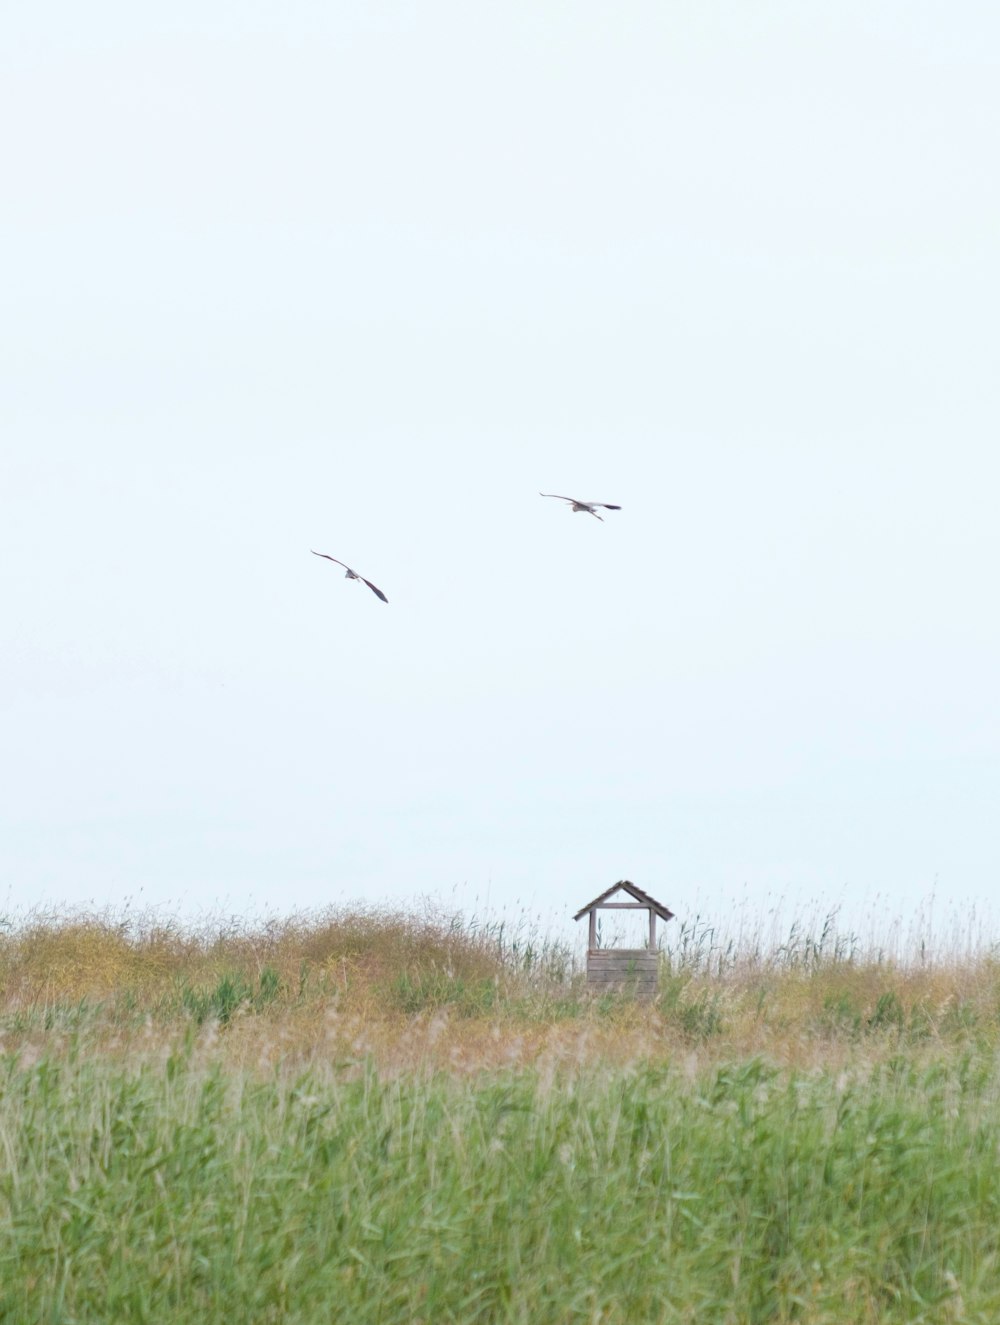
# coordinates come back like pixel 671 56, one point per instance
pixel 364 1117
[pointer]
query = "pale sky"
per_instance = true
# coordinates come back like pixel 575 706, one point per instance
pixel 365 278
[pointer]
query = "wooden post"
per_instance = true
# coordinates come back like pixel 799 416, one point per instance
pixel 652 930
pixel 593 929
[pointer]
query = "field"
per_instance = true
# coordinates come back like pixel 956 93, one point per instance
pixel 363 1117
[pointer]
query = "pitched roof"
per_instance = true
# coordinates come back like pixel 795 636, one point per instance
pixel 662 911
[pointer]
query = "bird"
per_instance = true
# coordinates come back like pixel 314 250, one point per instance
pixel 352 574
pixel 587 506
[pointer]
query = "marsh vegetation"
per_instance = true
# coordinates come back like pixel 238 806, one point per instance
pixel 363 1116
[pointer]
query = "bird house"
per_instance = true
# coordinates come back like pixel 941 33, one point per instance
pixel 633 968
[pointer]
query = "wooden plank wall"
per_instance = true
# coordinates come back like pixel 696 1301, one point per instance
pixel 633 968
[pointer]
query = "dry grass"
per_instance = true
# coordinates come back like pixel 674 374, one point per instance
pixel 56 957
pixel 432 991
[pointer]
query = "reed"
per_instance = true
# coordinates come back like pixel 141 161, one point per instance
pixel 362 1116
pixel 179 1188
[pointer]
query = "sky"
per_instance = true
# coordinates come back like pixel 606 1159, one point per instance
pixel 366 278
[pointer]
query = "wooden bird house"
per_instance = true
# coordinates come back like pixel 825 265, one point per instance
pixel 632 968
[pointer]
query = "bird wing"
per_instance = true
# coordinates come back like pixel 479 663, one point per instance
pixel 556 495
pixel 329 558
pixel 605 504
pixel 374 588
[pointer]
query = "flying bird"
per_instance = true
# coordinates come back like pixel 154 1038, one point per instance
pixel 352 574
pixel 588 506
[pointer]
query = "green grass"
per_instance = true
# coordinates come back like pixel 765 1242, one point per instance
pixel 374 1118
pixel 183 1191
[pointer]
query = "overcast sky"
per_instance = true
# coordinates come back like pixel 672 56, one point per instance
pixel 365 278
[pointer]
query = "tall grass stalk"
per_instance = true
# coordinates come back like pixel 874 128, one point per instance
pixel 183 1191
pixel 362 1116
